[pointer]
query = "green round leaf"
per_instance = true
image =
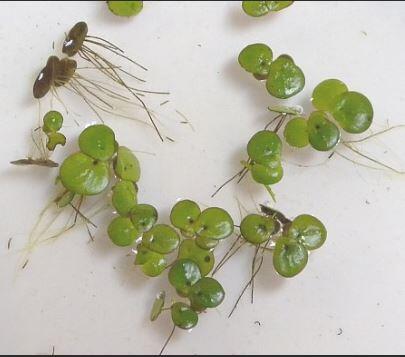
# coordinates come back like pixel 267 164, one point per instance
pixel 126 165
pixel 326 92
pixel 161 238
pixel 256 59
pixel 255 8
pixel 308 230
pixel 183 215
pixel 122 232
pixel 323 134
pixel 183 316
pixel 124 197
pixel 125 8
pixel 278 5
pixel 257 229
pixel 53 121
pixel 157 306
pixel 266 175
pixel 290 257
pixel 296 132
pixel 207 292
pixel 206 243
pixel 353 111
pixel 265 147
pixel 214 223
pixel 184 274
pixel 83 175
pixel 152 263
pixel 203 258
pixel 285 78
pixel 97 141
pixel 143 217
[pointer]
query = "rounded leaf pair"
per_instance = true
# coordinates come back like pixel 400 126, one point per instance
pixel 207 227
pixel 291 252
pixel 264 150
pixel 318 131
pixel 52 123
pixel 352 110
pixel 284 78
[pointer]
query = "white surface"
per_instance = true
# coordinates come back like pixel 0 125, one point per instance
pixel 89 298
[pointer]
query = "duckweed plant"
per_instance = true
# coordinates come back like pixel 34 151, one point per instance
pixel 337 109
pixel 283 77
pixel 125 8
pixel 52 123
pixel 261 8
pixel 191 237
pixel 270 231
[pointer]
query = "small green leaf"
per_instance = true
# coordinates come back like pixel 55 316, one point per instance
pixel 152 263
pixel 97 141
pixel 183 316
pixel 125 8
pixel 290 257
pixel 285 78
pixel 257 229
pixel 157 306
pixel 183 275
pixel 207 292
pixel 214 223
pixel 183 215
pixel 122 232
pixel 124 197
pixel 255 8
pixel 203 258
pixel 53 122
pixel 83 175
pixel 308 230
pixel 281 109
pixel 55 139
pixel 323 134
pixel 161 238
pixel 126 165
pixel 143 216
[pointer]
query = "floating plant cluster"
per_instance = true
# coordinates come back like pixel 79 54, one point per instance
pixel 185 246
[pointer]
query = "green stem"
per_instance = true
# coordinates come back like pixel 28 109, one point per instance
pixel 271 193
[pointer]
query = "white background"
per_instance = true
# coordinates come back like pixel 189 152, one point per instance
pixel 89 298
